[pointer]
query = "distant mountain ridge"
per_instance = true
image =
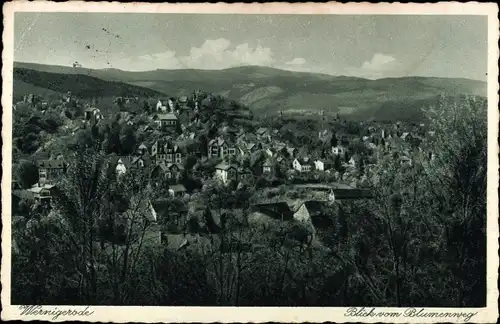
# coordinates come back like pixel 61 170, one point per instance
pixel 268 90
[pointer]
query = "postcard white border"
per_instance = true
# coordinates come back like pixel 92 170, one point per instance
pixel 253 314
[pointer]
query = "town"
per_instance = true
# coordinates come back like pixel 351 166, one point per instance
pixel 181 143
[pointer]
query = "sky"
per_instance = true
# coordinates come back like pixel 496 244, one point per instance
pixel 366 46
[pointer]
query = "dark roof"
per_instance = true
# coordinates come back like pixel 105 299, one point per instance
pixel 224 166
pixel 168 116
pixel 278 210
pixel 146 159
pixel 261 130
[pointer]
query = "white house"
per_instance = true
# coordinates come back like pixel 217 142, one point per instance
pixel 302 164
pixel 171 105
pixel 302 214
pixel 319 165
pixel 120 167
pixel 226 172
pixel 269 152
pixel 159 105
pixel 352 162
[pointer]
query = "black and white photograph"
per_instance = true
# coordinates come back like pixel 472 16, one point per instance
pixel 251 159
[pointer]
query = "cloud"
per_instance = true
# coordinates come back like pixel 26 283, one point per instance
pixel 297 61
pixel 379 62
pixel 219 54
pixel 213 54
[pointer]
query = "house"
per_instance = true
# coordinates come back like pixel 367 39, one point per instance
pixel 164 171
pixel 292 152
pixel 220 147
pixel 404 160
pixel 177 190
pixel 338 150
pixel 302 164
pixel 166 150
pixel 245 174
pixel 42 193
pixel 141 161
pixel 120 168
pixel 268 166
pixel 279 146
pixel 165 121
pixel 92 115
pixel 160 107
pixel 174 170
pixel 262 131
pixel 353 161
pixel 50 170
pixel 142 149
pixel 253 147
pixel 214 147
pixel 159 172
pixel 226 172
pixel 319 165
pixel 269 152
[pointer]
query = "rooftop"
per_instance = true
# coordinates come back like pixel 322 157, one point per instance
pixel 224 166
pixel 168 116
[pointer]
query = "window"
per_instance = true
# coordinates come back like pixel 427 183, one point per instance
pixel 169 157
pixel 178 158
pixel 232 151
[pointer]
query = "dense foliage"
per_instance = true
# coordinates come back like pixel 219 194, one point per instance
pixel 420 242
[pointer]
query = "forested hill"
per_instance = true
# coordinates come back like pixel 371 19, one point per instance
pixel 269 91
pixel 84 86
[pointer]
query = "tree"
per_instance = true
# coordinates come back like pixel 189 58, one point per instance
pixel 427 230
pixel 27 174
pixel 113 140
pixel 128 141
pixel 91 202
pixel 334 141
pixel 458 174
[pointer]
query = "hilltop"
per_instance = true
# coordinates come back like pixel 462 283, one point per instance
pixel 268 91
pixel 81 85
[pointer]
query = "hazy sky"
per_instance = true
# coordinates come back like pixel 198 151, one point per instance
pixel 366 46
